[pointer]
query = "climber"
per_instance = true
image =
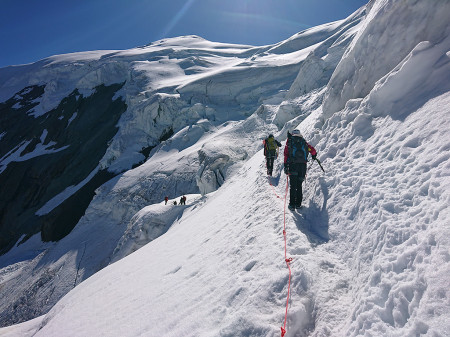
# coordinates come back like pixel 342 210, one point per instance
pixel 271 146
pixel 295 158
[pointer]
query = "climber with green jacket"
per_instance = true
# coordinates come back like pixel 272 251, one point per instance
pixel 271 146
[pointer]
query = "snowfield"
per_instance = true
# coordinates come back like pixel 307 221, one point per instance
pixel 370 248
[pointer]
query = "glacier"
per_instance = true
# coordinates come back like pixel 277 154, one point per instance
pixel 370 249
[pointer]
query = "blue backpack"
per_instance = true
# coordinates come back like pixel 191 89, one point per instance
pixel 298 149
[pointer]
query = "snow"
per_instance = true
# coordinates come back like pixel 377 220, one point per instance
pixel 40 149
pixel 71 119
pixel 376 49
pixel 64 195
pixel 398 188
pixel 370 249
pixel 25 329
pixel 172 75
pixel 418 77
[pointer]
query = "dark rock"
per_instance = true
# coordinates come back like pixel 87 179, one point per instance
pixel 84 125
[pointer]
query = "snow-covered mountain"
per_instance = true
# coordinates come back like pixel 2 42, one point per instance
pixel 92 142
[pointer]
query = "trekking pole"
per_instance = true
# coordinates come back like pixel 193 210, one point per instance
pixel 318 162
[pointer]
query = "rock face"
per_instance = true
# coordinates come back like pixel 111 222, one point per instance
pixel 51 153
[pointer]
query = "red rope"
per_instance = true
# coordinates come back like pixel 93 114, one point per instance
pixel 287 260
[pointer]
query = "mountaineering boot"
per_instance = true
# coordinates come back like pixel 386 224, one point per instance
pixel 291 207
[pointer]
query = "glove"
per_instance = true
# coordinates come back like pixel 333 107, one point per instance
pixel 286 168
pixel 314 157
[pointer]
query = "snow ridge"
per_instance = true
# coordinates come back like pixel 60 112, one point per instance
pixel 370 248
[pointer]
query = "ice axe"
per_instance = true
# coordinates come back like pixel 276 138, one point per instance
pixel 318 162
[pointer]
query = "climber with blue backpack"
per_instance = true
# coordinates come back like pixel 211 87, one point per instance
pixel 271 146
pixel 296 154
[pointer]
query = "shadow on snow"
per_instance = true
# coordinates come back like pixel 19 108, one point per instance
pixel 313 221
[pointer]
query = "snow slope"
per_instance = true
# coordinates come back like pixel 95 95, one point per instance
pixel 204 92
pixel 370 249
pixel 368 269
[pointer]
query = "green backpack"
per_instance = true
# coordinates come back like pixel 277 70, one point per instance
pixel 271 145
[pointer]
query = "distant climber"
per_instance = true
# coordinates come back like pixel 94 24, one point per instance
pixel 295 158
pixel 174 202
pixel 271 146
pixel 166 199
pixel 183 200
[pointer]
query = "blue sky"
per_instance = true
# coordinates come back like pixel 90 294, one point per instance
pixel 31 30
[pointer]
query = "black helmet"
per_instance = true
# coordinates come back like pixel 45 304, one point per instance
pixel 270 136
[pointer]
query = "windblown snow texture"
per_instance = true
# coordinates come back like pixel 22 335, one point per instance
pixel 370 248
